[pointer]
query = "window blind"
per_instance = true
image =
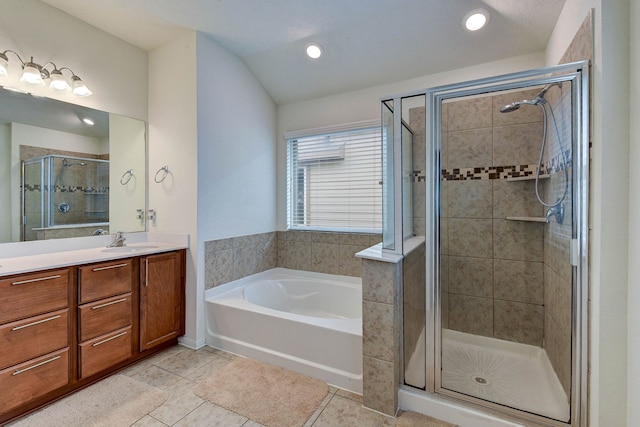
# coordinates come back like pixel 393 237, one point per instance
pixel 334 181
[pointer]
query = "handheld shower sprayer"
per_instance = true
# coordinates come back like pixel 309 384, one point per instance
pixel 556 209
pixel 539 99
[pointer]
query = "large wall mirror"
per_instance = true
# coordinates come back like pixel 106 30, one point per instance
pixel 68 170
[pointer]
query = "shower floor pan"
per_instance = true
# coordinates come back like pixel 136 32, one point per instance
pixel 511 374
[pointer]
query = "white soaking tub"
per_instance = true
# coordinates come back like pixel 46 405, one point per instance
pixel 307 322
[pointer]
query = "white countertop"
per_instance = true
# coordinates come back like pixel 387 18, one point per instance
pixel 25 257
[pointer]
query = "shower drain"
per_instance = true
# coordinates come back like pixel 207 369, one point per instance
pixel 480 380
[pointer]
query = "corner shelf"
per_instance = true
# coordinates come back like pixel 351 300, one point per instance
pixel 527 218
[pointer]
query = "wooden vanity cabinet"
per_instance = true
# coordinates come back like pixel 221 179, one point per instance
pixel 61 330
pixel 161 298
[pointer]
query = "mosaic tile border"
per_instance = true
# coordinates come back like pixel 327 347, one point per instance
pixel 489 172
pixel 80 189
pixel 556 165
pixel 68 189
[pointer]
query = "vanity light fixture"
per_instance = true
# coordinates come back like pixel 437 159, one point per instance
pixel 475 20
pixel 88 121
pixel 36 75
pixel 314 50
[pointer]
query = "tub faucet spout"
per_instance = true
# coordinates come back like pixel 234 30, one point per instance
pixel 118 240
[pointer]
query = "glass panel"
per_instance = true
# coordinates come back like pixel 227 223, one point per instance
pixel 506 229
pixel 32 199
pixel 388 211
pixel 407 182
pixel 413 266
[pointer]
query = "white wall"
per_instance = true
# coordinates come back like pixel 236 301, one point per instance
pixel 633 337
pixel 236 153
pixel 236 147
pixel 114 70
pixel 610 235
pixel 364 104
pixel 173 142
pixel 127 140
pixel 219 146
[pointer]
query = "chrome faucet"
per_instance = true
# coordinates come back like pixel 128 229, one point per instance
pixel 556 211
pixel 118 240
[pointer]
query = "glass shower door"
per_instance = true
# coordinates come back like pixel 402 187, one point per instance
pixel 508 321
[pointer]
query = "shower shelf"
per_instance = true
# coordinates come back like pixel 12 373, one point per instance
pixel 528 178
pixel 527 218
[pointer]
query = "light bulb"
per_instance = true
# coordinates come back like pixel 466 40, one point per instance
pixel 314 51
pixel 4 65
pixel 58 82
pixel 476 19
pixel 31 75
pixel 79 88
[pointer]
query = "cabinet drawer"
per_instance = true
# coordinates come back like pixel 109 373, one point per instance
pixel 32 337
pixel 104 351
pixel 31 294
pixel 103 316
pixel 104 280
pixel 22 383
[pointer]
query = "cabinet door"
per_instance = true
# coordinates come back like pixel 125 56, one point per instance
pixel 161 299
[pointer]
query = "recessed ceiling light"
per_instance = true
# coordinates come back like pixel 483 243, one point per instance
pixel 314 50
pixel 475 19
pixel 88 121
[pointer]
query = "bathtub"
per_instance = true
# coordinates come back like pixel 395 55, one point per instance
pixel 308 322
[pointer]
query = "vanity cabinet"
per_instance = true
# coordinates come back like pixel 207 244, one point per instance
pixel 35 335
pixel 161 299
pixel 63 329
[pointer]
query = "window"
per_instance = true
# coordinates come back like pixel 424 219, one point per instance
pixel 334 180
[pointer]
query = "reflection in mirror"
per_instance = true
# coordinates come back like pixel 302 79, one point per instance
pixel 60 175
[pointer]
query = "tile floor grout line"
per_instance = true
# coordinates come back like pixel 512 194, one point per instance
pixel 184 416
pixel 322 410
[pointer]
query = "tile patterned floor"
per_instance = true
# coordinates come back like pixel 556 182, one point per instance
pixel 178 369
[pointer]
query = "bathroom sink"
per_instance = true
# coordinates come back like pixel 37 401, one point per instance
pixel 127 249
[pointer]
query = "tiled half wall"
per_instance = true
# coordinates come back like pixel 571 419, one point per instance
pixel 322 252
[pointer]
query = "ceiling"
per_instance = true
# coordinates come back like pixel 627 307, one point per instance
pixel 366 42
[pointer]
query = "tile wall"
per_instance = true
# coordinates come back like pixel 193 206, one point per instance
pixel 414 313
pixel 322 252
pixel 492 271
pixel 381 340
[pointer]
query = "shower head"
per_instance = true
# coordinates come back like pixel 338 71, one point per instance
pixel 510 107
pixel 539 99
pixel 516 105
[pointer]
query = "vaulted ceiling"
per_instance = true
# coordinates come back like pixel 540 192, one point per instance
pixel 365 42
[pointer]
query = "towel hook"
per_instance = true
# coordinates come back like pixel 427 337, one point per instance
pixel 126 177
pixel 164 169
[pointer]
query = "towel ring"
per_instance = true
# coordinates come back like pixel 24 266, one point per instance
pixel 164 169
pixel 126 177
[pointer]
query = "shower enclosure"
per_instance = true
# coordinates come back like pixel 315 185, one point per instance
pixel 499 186
pixel 64 196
